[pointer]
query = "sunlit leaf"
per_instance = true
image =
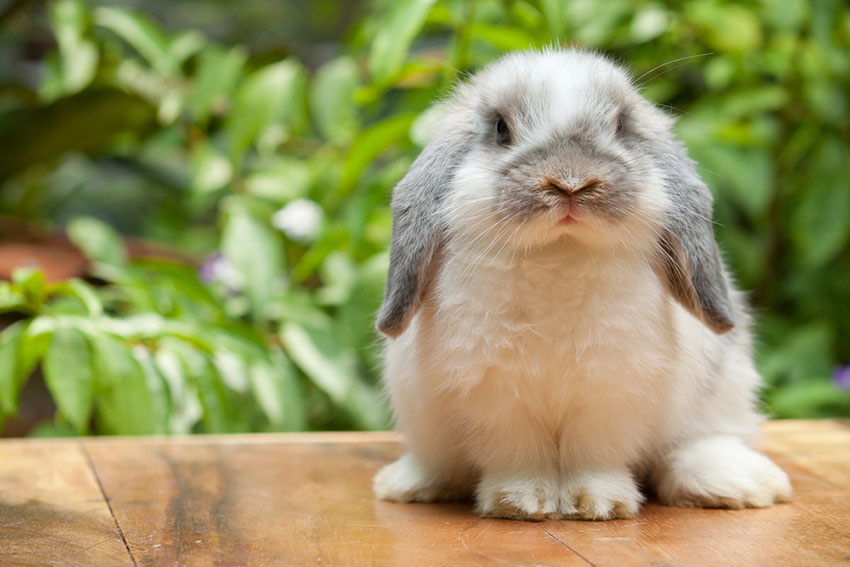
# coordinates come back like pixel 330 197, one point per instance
pixel 257 252
pixel 319 353
pixel 211 170
pixel 505 38
pixel 277 391
pixel 280 179
pixel 125 403
pixel 185 409
pixel 821 220
pixel 218 73
pixel 10 340
pixel 99 241
pixel 395 35
pixel 78 55
pixel 70 376
pixel 146 37
pixel 332 99
pixel 267 106
pixel 555 16
pixel 368 145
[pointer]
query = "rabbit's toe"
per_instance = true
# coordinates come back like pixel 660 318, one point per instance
pixel 600 495
pixel 517 497
pixel 720 472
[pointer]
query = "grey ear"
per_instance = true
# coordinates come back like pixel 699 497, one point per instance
pixel 690 261
pixel 418 231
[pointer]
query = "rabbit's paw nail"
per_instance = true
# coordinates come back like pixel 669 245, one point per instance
pixel 518 498
pixel 600 495
pixel 720 472
pixel 406 481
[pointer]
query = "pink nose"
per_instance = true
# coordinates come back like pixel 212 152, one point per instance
pixel 553 184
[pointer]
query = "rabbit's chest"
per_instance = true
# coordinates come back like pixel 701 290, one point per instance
pixel 554 322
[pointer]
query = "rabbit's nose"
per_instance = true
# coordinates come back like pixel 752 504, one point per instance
pixel 570 187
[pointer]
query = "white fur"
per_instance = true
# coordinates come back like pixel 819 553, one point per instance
pixel 549 366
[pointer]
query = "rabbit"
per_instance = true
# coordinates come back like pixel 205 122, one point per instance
pixel 560 327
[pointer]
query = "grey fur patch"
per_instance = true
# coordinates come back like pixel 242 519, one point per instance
pixel 571 160
pixel 418 230
pixel 690 259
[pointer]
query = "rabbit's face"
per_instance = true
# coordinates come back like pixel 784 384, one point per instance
pixel 548 147
pixel 557 151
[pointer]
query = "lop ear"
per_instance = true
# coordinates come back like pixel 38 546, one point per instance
pixel 689 260
pixel 418 231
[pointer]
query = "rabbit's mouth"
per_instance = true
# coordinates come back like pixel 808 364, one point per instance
pixel 572 211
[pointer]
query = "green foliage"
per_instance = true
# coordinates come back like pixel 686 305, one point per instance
pixel 279 172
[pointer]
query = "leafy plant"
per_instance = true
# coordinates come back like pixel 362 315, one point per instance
pixel 274 176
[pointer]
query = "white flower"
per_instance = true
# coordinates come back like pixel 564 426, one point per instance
pixel 300 220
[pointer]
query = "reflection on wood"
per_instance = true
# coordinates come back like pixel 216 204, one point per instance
pixel 307 500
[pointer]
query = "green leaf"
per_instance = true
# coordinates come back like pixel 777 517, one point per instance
pixel 316 349
pixel 393 38
pixel 88 122
pixel 98 241
pixel 278 392
pixel 506 38
pixel 10 341
pixel 332 99
pixel 83 291
pixel 821 220
pixel 256 251
pixel 156 386
pixel 726 27
pixel 12 298
pixel 211 170
pixel 267 107
pixel 205 383
pixel 185 409
pixel 31 281
pixel 125 403
pixel 369 144
pixel 555 15
pixel 280 179
pixel 809 398
pixel 78 56
pixel 69 375
pixel 218 74
pixel 142 34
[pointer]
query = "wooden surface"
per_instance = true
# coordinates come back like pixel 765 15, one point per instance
pixel 306 499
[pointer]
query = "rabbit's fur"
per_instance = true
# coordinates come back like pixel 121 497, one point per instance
pixel 547 352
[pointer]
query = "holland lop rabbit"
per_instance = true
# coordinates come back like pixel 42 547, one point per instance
pixel 561 326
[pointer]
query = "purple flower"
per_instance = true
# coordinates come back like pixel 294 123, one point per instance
pixel 219 270
pixel 841 377
pixel 208 269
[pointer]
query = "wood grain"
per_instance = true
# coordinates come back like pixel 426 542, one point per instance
pixel 294 504
pixel 306 499
pixel 52 511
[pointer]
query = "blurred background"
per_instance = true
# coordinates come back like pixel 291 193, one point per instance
pixel 194 196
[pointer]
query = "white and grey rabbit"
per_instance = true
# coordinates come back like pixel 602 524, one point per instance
pixel 561 324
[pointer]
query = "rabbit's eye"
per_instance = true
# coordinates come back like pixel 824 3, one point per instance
pixel 620 125
pixel 503 134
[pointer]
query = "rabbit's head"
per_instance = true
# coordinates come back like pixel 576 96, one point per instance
pixel 555 148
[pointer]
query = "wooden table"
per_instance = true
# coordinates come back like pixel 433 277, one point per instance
pixel 306 499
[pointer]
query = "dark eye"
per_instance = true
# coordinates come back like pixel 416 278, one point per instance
pixel 503 134
pixel 620 125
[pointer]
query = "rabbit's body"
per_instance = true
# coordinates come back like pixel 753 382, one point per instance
pixel 549 366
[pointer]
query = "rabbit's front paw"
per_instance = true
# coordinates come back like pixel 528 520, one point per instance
pixel 517 497
pixel 406 480
pixel 600 495
pixel 720 472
